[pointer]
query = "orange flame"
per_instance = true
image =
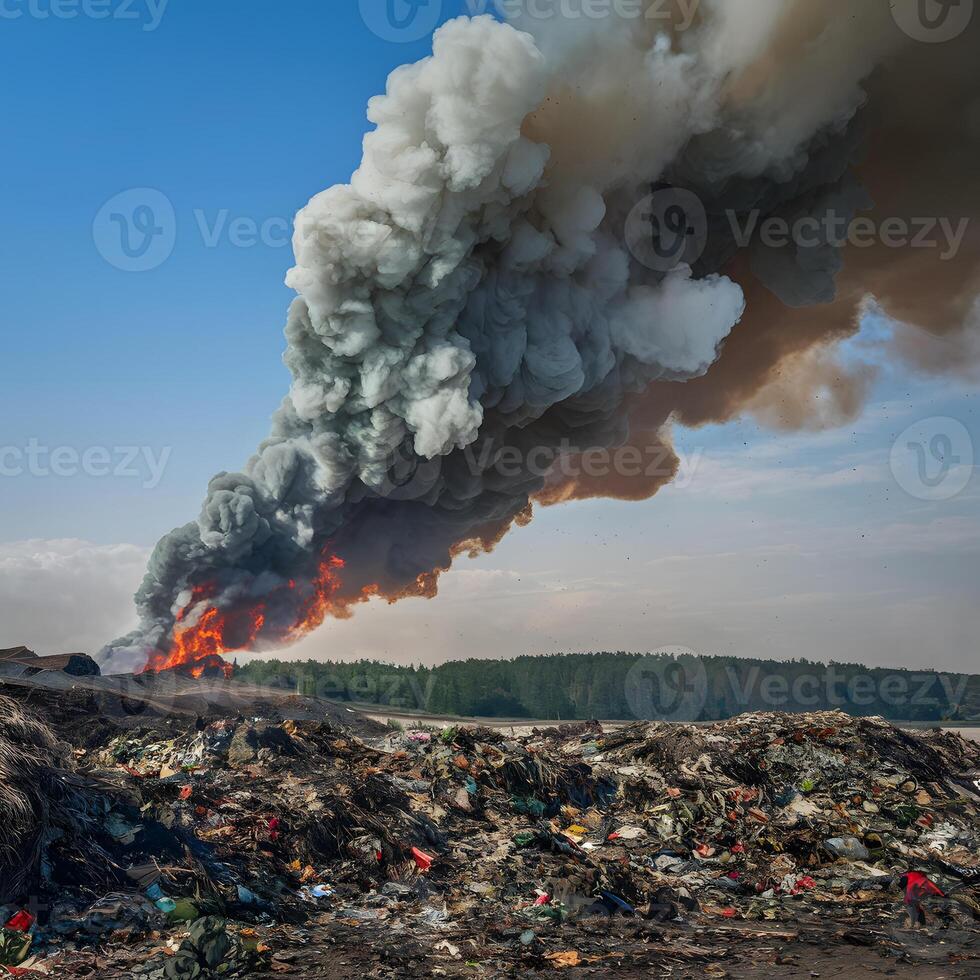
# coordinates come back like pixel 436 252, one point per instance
pixel 217 631
pixel 321 603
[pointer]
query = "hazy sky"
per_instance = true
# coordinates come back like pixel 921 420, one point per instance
pixel 771 544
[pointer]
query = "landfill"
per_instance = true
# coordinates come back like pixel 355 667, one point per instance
pixel 264 845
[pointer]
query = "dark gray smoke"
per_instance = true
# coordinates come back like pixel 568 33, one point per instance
pixel 472 293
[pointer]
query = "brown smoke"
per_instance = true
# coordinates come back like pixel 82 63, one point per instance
pixel 779 364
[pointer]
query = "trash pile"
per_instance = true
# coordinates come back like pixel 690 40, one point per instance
pixel 763 808
pixel 41 799
pixel 245 846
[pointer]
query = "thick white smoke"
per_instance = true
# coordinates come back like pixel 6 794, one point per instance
pixel 471 290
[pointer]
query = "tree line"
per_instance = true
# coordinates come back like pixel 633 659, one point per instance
pixel 622 686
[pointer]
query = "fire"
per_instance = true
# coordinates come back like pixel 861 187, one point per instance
pixel 215 631
pixel 320 603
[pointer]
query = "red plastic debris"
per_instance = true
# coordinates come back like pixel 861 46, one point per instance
pixel 423 860
pixel 20 922
pixel 919 886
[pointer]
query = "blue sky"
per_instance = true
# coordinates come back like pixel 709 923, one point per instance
pixel 777 544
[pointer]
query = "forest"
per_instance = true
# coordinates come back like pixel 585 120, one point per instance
pixel 623 686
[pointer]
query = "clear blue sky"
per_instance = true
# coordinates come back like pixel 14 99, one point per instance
pixel 780 545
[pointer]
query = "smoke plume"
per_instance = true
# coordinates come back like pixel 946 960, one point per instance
pixel 473 296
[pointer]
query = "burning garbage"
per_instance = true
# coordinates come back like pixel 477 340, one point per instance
pixel 238 844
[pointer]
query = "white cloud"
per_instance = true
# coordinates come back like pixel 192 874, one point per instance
pixel 67 595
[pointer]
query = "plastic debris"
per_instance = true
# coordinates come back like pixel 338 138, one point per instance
pixel 474 845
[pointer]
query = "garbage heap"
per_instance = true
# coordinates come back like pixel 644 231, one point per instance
pixel 219 848
pixel 42 799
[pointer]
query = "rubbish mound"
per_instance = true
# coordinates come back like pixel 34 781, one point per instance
pixel 87 710
pixel 246 844
pixel 41 798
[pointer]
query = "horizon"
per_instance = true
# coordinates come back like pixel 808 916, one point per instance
pixel 772 540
